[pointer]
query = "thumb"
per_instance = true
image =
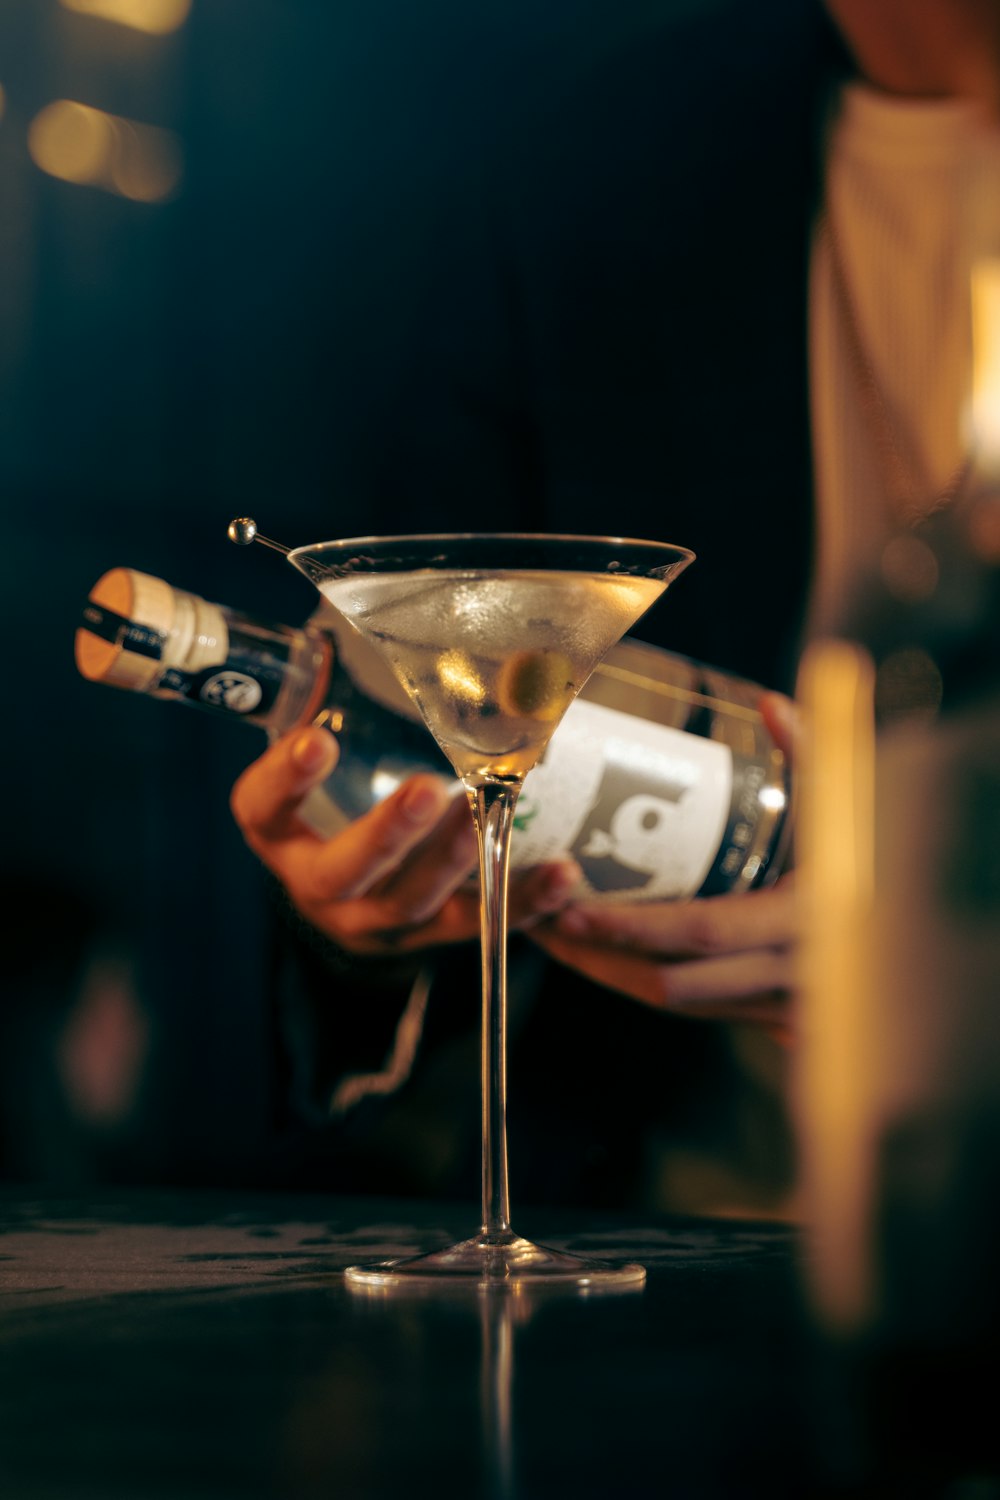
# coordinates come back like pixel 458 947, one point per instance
pixel 267 797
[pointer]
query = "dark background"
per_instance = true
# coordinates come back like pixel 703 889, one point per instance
pixel 164 366
pixel 259 344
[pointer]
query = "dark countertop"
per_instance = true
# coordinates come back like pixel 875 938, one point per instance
pixel 205 1346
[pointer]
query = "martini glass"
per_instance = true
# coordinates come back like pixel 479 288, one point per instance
pixel 492 636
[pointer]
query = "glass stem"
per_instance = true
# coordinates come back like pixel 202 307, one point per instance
pixel 493 805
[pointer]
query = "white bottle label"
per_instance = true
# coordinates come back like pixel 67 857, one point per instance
pixel 641 807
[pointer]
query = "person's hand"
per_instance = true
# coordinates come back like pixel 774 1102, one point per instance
pixel 394 881
pixel 722 958
pixel 727 958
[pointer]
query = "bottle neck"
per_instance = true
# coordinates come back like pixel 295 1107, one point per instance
pixel 272 676
pixel 139 633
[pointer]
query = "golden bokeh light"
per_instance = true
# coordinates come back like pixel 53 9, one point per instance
pixel 835 835
pixel 79 144
pixel 154 17
pixel 986 363
pixel 70 141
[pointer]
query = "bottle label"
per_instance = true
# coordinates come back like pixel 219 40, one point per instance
pixel 641 807
pixel 245 684
pixel 141 640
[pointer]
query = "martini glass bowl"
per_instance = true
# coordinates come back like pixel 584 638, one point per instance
pixel 492 635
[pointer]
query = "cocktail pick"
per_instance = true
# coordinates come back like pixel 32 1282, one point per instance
pixel 243 530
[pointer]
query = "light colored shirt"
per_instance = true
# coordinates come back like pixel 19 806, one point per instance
pixel 912 199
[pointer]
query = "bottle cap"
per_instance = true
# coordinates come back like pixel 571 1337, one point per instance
pixel 135 626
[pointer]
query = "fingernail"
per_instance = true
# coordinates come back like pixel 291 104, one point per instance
pixel 420 801
pixel 309 752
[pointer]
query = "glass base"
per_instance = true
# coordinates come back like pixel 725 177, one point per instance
pixel 492 1261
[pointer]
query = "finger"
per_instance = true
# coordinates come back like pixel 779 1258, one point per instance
pixel 370 925
pixel 540 892
pixel 379 924
pixel 374 846
pixel 751 987
pixel 434 869
pixel 443 863
pixel 534 895
pixel 677 929
pixel 740 978
pixel 266 799
pixel 783 722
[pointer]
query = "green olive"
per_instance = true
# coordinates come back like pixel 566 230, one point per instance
pixel 535 684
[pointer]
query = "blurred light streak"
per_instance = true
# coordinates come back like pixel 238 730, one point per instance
pixel 79 144
pixel 154 17
pixel 986 363
pixel 836 859
pixel 3 101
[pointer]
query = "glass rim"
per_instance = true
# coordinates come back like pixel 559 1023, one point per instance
pixel 491 536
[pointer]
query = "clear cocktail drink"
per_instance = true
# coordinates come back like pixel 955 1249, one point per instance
pixel 458 644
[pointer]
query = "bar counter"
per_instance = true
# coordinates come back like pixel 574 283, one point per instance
pixel 206 1346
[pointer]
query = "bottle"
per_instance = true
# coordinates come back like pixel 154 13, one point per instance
pixel 661 781
pixel 899 1069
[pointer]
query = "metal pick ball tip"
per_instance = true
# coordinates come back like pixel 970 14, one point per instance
pixel 242 530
